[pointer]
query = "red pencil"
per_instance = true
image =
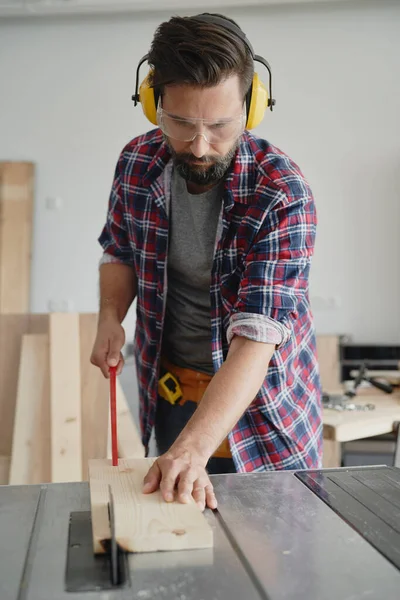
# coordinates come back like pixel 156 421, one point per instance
pixel 113 409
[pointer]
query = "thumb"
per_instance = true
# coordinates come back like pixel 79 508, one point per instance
pixel 152 479
pixel 113 354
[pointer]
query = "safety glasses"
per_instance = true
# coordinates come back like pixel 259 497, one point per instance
pixel 213 131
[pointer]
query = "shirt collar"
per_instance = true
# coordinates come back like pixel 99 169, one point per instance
pixel 157 164
pixel 239 182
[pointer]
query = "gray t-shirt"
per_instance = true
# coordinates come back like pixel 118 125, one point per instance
pixel 193 228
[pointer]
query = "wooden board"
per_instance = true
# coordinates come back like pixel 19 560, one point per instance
pixel 4 469
pixel 30 458
pixel 95 397
pixel 12 328
pixel 16 208
pixel 65 398
pixel 329 362
pixel 143 522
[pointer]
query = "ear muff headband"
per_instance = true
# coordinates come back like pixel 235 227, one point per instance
pixel 257 98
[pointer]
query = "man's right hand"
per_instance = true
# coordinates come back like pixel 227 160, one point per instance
pixel 109 341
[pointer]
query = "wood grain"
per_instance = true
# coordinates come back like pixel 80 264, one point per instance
pixel 65 398
pixel 144 522
pixel 95 392
pixel 12 328
pixel 30 458
pixel 16 208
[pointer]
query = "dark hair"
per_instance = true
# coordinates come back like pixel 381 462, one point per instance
pixel 186 50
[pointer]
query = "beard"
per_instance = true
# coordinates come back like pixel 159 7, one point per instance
pixel 210 171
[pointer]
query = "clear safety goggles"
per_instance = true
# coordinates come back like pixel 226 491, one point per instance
pixel 213 131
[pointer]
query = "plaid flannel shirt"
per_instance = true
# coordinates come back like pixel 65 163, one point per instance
pixel 259 289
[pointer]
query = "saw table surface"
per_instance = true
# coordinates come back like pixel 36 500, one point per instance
pixel 331 534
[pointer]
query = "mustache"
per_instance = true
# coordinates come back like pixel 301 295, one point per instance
pixel 188 158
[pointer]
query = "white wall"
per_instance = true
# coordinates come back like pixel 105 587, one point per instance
pixel 65 104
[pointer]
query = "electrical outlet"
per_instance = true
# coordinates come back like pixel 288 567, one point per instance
pixel 60 305
pixel 54 203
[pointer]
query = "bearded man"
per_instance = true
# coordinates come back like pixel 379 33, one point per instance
pixel 212 230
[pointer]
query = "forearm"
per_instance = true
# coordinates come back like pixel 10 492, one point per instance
pixel 228 395
pixel 118 289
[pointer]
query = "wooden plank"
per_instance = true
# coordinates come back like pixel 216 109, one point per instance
pixel 12 328
pixel 95 392
pixel 65 398
pixel 16 208
pixel 4 469
pixel 30 459
pixel 329 362
pixel 143 522
pixel 129 442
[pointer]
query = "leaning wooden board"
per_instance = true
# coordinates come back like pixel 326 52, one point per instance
pixel 16 210
pixel 65 398
pixel 12 329
pixel 30 457
pixel 143 522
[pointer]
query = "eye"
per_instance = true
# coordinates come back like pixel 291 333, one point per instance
pixel 218 125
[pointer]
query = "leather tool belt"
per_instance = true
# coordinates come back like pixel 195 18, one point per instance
pixel 178 385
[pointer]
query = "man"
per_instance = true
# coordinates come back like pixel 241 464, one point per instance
pixel 212 230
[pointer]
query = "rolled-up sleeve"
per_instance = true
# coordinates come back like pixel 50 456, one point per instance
pixel 275 277
pixel 114 238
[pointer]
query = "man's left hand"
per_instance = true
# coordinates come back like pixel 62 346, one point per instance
pixel 181 473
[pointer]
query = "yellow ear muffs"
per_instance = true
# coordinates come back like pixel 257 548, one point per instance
pixel 258 103
pixel 148 100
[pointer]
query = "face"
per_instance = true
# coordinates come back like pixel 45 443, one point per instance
pixel 199 161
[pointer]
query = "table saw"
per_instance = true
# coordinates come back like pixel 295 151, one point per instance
pixel 330 534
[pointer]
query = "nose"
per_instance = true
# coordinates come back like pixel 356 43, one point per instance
pixel 199 145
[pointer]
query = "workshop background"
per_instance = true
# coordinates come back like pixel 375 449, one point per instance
pixel 66 86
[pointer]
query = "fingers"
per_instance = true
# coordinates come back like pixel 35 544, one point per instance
pixel 200 488
pixel 170 473
pixel 211 500
pixel 199 495
pixel 107 348
pixel 185 485
pixel 152 479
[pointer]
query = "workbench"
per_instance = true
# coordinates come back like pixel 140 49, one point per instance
pixel 346 426
pixel 312 535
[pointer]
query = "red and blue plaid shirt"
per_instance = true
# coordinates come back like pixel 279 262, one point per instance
pixel 259 289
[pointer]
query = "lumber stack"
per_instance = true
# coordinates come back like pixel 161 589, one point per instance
pixel 54 404
pixel 16 214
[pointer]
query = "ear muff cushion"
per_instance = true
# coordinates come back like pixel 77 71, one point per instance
pixel 148 100
pixel 258 103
